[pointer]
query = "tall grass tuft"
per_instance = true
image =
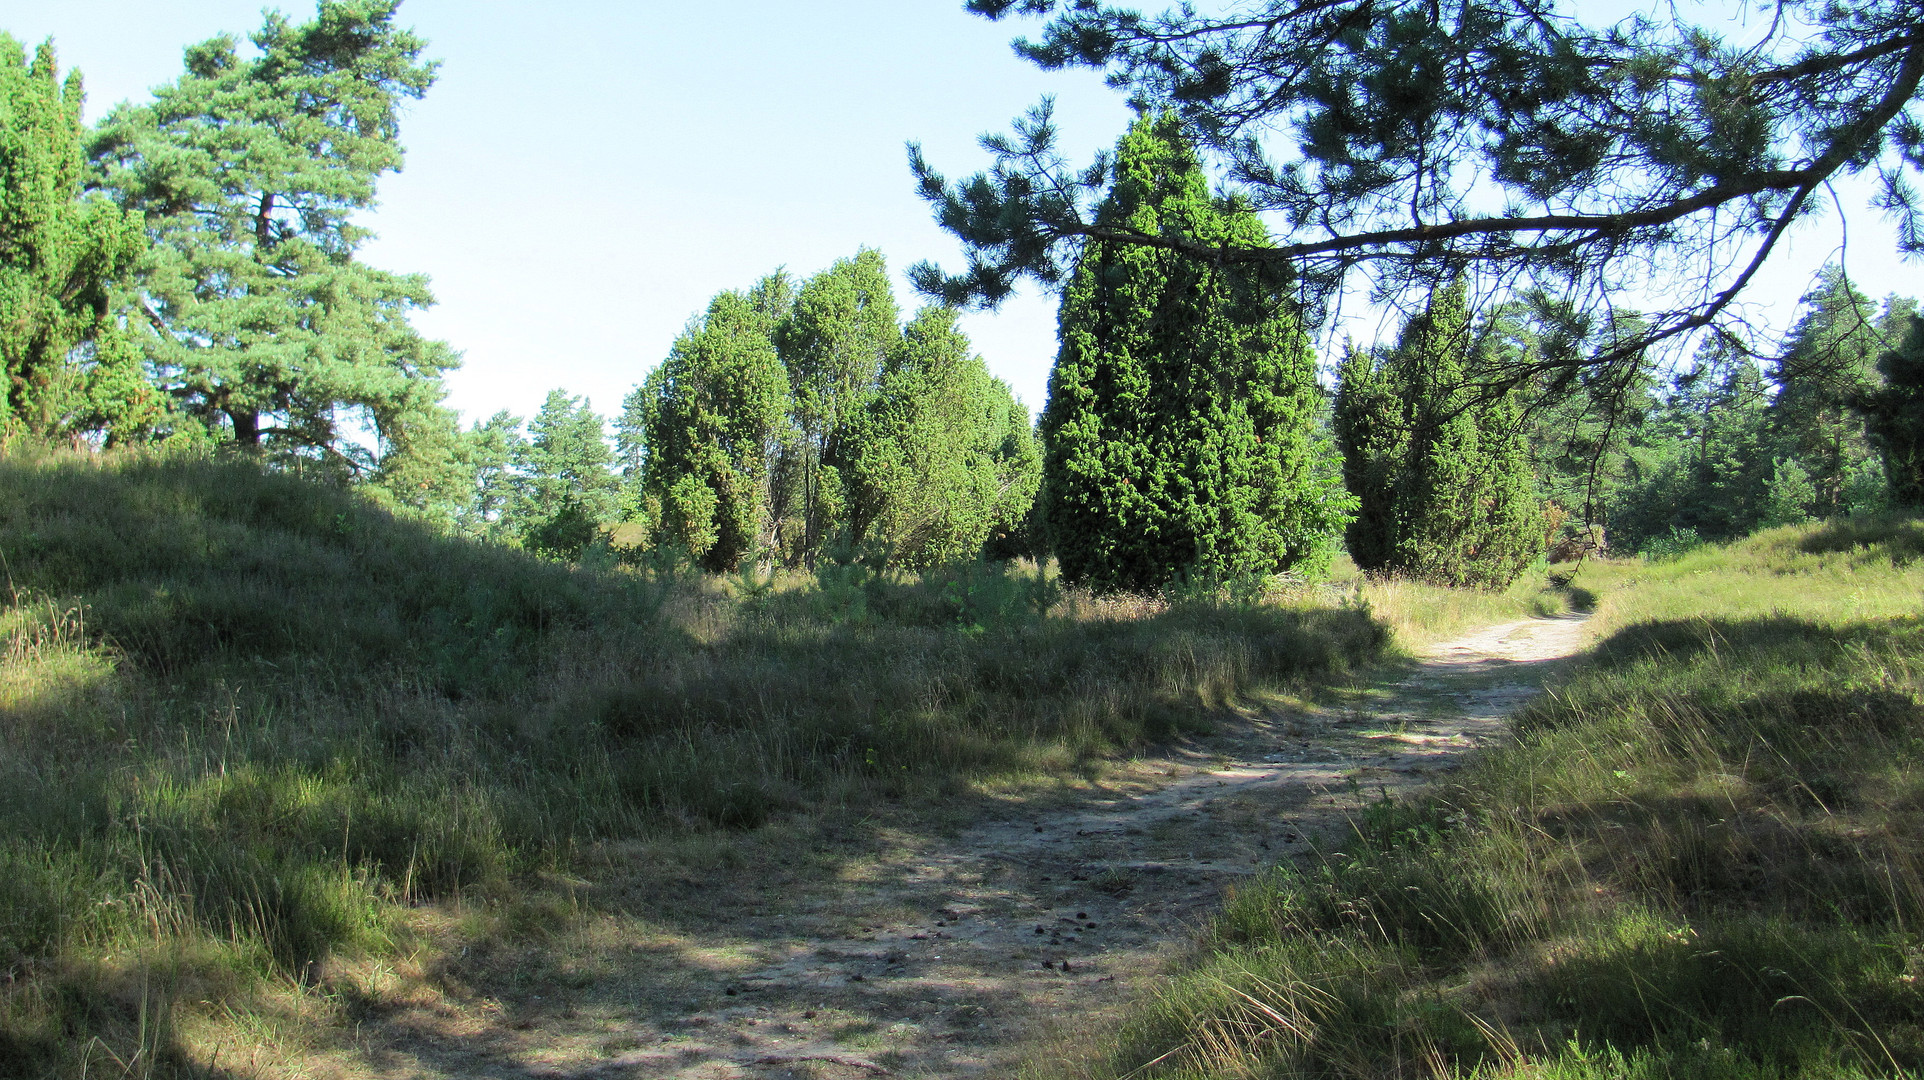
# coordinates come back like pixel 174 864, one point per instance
pixel 247 719
pixel 1700 857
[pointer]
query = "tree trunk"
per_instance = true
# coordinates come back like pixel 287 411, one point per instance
pixel 247 428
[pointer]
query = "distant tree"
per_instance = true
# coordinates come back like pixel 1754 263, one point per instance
pixel 248 171
pixel 710 416
pixel 934 464
pixel 1441 469
pixel 1895 416
pixel 1831 363
pixel 66 365
pixel 420 460
pixel 489 452
pixel 566 487
pixel 832 341
pixel 1714 455
pixel 1180 433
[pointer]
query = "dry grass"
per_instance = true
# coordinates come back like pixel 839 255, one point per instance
pixel 248 723
pixel 1699 859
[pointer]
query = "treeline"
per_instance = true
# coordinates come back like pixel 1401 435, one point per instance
pixel 1734 442
pixel 789 422
pixel 187 272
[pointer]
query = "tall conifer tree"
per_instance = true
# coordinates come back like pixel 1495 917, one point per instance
pixel 566 486
pixel 710 415
pixel 60 253
pixel 1181 429
pixel 249 170
pixel 841 326
pixel 1442 468
pixel 1895 419
pixel 934 465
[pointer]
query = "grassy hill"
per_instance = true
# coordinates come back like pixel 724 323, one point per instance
pixel 1701 858
pixel 247 719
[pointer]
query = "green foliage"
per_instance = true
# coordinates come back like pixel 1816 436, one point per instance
pixel 565 489
pixel 246 719
pixel 66 364
pixel 1696 859
pixel 1412 141
pixel 833 342
pixel 488 452
pixel 1710 471
pixel 255 314
pixel 1895 417
pixel 943 457
pixel 1181 431
pixel 1830 364
pixel 711 419
pixel 1440 466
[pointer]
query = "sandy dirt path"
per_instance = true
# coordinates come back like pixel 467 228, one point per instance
pixel 943 954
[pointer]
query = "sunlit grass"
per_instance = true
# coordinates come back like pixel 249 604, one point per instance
pixel 252 728
pixel 1700 858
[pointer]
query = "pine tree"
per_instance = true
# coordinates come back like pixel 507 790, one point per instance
pixel 249 171
pixel 1713 461
pixel 1831 363
pixel 832 341
pixel 934 466
pixel 1181 428
pixel 710 418
pixel 1895 416
pixel 566 489
pixel 1439 463
pixel 488 452
pixel 60 254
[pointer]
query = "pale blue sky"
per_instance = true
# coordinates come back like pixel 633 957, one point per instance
pixel 587 174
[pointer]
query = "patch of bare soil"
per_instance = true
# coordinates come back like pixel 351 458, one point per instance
pixel 918 953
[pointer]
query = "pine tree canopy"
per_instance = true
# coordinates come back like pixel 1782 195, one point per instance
pixel 64 367
pixel 1413 140
pixel 249 170
pixel 1895 415
pixel 1180 436
pixel 566 488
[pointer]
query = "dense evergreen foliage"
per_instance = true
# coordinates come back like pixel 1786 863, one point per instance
pixel 833 341
pixel 1895 416
pixel 65 367
pixel 943 457
pixel 799 421
pixel 710 421
pixel 258 317
pixel 795 423
pixel 1181 432
pixel 1440 467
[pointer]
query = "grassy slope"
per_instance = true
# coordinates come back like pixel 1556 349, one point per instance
pixel 1701 858
pixel 245 720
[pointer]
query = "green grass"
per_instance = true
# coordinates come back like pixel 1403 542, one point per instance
pixel 248 721
pixel 1700 858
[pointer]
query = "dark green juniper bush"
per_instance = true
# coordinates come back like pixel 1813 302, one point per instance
pixel 65 367
pixel 1181 437
pixel 1442 473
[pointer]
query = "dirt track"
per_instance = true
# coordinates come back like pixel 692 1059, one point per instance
pixel 942 956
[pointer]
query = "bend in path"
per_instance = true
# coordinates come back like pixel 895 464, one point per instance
pixel 942 956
